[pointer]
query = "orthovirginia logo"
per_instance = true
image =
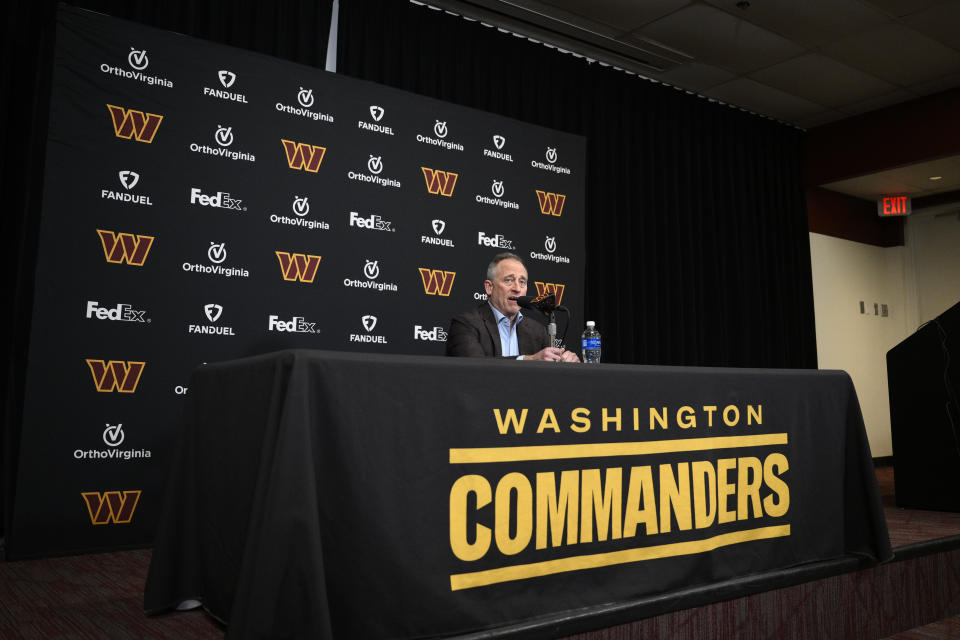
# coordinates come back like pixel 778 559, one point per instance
pixel 217 254
pixel 438 226
pixel 305 99
pixel 440 182
pixel 497 189
pixel 227 78
pixel 125 247
pixel 111 506
pixel 113 437
pixel 437 281
pixel 550 245
pixel 498 142
pixel 440 130
pixel 550 203
pixel 128 180
pixel 303 156
pixel 551 157
pixel 371 269
pixel 132 124
pixel 223 137
pixel 374 169
pixel 298 267
pixel 300 208
pixel 546 288
pixel 138 61
pixel 115 375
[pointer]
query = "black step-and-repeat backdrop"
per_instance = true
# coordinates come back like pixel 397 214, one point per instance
pixel 203 203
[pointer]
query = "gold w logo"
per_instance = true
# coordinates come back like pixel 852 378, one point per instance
pixel 437 281
pixel 125 247
pixel 439 182
pixel 115 375
pixel 303 156
pixel 551 203
pixel 130 123
pixel 298 266
pixel 546 288
pixel 111 506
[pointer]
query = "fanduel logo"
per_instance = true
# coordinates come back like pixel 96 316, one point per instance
pixel 115 507
pixel 550 203
pixel 496 241
pixel 125 247
pixel 297 324
pixel 498 142
pixel 227 78
pixel 436 334
pixel 213 312
pixel 115 375
pixel 546 288
pixel 369 323
pixel 128 180
pixel 131 124
pixel 438 226
pixel 219 200
pixel 439 182
pixel 121 312
pixel 303 156
pixel 298 267
pixel 373 222
pixel 377 114
pixel 437 281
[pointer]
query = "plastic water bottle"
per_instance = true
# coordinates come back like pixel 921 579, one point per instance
pixel 590 342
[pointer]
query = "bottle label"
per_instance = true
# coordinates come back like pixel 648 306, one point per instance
pixel 591 343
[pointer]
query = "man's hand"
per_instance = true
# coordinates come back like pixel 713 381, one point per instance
pixel 553 354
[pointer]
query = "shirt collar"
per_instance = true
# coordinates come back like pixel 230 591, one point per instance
pixel 500 317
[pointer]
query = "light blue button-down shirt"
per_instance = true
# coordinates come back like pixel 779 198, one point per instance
pixel 508 333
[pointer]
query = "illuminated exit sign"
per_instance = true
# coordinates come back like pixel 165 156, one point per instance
pixel 888 206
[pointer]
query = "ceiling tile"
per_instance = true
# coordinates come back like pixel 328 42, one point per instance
pixel 812 22
pixel 695 76
pixel 720 39
pixel 942 23
pixel 896 54
pixel 913 180
pixel 625 15
pixel 822 80
pixel 818 118
pixel 878 102
pixel 900 8
pixel 753 96
pixel 936 85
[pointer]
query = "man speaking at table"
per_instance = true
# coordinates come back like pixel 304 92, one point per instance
pixel 497 328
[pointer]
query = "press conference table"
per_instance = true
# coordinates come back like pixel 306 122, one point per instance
pixel 336 495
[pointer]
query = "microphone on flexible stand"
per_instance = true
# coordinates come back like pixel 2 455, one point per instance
pixel 546 304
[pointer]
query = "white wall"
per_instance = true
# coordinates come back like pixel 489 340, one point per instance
pixel 917 282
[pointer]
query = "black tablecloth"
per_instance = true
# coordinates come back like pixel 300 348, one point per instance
pixel 320 494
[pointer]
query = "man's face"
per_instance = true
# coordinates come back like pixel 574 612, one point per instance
pixel 510 280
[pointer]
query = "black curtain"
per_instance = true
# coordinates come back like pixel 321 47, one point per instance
pixel 295 30
pixel 697 241
pixel 697 246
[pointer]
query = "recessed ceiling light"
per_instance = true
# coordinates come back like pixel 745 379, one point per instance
pixel 936 177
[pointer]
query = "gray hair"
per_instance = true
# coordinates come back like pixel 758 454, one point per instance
pixel 497 259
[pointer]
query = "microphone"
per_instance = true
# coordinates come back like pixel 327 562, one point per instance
pixel 544 303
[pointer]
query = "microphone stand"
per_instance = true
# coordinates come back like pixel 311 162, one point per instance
pixel 552 329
